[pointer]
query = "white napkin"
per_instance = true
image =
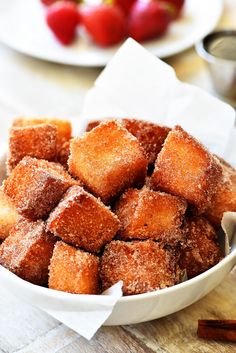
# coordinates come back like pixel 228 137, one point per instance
pixel 86 323
pixel 137 84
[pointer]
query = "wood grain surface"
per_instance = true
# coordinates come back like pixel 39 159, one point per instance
pixel 24 329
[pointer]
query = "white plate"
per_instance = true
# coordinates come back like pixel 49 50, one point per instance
pixel 23 28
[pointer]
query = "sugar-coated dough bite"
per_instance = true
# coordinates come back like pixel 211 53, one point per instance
pixel 201 250
pixel 108 160
pixel 151 136
pixel 185 168
pixel 148 214
pixel 27 251
pixel 8 215
pixel 82 220
pixel 39 141
pixel 143 266
pixel 36 186
pixel 64 128
pixel 73 270
pixel 225 198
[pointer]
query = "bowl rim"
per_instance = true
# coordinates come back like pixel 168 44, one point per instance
pixel 204 53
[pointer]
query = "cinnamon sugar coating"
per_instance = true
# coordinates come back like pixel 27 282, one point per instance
pixel 185 168
pixel 27 251
pixel 225 197
pixel 73 270
pixel 108 160
pixel 36 186
pixel 151 136
pixel 8 215
pixel 37 141
pixel 82 220
pixel 147 214
pixel 63 154
pixel 201 251
pixel 63 127
pixel 143 266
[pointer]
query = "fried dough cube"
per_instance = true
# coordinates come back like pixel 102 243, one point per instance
pixel 73 270
pixel 147 214
pixel 63 154
pixel 63 127
pixel 185 168
pixel 82 220
pixel 151 136
pixel 36 186
pixel 108 160
pixel 225 198
pixel 27 251
pixel 201 250
pixel 37 141
pixel 8 215
pixel 143 266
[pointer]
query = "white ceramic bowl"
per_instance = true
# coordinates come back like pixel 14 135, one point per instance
pixel 128 310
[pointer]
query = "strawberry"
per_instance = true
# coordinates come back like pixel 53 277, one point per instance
pixel 63 18
pixel 125 5
pixel 50 2
pixel 106 24
pixel 177 6
pixel 148 20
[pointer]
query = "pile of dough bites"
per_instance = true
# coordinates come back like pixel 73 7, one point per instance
pixel 128 200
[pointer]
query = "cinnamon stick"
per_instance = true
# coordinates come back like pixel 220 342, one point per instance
pixel 222 330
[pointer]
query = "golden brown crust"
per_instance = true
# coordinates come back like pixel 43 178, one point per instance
pixel 108 160
pixel 36 186
pixel 151 136
pixel 64 128
pixel 73 270
pixel 201 250
pixel 37 141
pixel 225 198
pixel 185 168
pixel 82 220
pixel 8 215
pixel 142 266
pixel 27 251
pixel 147 214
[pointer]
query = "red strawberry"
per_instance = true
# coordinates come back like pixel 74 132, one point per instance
pixel 105 23
pixel 50 2
pixel 177 6
pixel 63 18
pixel 148 20
pixel 125 5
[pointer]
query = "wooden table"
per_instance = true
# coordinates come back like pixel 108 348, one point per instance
pixel 29 86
